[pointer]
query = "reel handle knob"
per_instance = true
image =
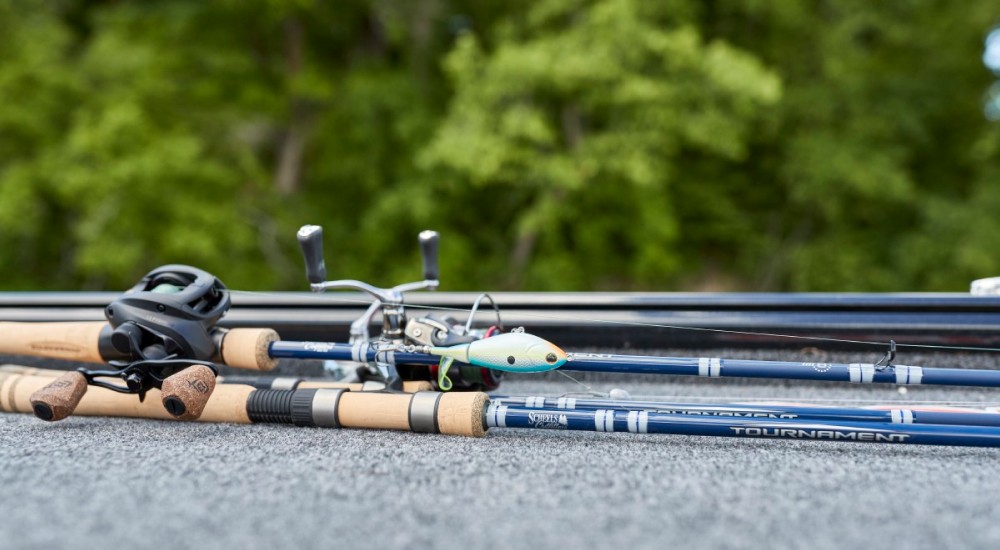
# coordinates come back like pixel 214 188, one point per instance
pixel 185 393
pixel 60 397
pixel 311 241
pixel 429 253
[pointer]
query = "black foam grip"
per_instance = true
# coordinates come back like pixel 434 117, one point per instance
pixel 429 253
pixel 311 240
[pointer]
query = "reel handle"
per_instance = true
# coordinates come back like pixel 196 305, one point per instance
pixel 185 394
pixel 429 253
pixel 311 241
pixel 60 397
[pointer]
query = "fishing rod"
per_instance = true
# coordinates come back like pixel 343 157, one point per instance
pixel 710 367
pixel 910 414
pixel 528 353
pixel 471 414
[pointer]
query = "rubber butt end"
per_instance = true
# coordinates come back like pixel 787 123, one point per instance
pixel 186 393
pixel 249 348
pixel 60 398
pixel 461 413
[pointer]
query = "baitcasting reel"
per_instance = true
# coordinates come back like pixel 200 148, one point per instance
pixel 171 312
pixel 163 332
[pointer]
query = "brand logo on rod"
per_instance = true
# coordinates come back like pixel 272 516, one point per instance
pixel 549 421
pixel 321 347
pixel 797 433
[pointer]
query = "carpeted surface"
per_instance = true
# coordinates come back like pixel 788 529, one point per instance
pixel 94 482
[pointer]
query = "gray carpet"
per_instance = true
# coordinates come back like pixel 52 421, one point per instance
pixel 91 482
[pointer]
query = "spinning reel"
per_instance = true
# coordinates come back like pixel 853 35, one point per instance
pixel 163 331
pixel 396 328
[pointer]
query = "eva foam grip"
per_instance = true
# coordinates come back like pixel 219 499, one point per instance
pixel 75 341
pixel 185 393
pixel 60 397
pixel 227 404
pixel 249 348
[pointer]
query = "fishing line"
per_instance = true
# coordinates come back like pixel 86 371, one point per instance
pixel 663 326
pixel 590 390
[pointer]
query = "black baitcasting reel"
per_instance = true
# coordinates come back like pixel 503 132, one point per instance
pixel 163 329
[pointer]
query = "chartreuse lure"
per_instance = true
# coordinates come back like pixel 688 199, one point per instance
pixel 510 352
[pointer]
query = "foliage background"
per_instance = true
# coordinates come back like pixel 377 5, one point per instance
pixel 555 144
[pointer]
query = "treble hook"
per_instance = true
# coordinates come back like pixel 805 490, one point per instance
pixel 886 361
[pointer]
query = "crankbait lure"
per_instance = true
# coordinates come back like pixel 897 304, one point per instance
pixel 510 352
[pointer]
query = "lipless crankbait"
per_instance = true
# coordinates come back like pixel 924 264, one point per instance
pixel 511 352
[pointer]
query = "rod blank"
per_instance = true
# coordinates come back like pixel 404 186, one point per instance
pixel 604 420
pixel 902 415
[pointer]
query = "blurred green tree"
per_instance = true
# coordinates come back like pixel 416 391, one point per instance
pixel 558 144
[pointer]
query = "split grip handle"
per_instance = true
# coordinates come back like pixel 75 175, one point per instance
pixel 75 341
pixel 248 348
pixel 227 403
pixel 431 412
pixel 311 240
pixel 185 393
pixel 429 253
pixel 60 397
pixel 428 412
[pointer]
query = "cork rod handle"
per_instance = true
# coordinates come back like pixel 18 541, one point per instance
pixel 75 341
pixel 249 348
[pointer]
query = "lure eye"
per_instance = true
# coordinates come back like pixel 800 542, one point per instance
pixel 551 358
pixel 510 359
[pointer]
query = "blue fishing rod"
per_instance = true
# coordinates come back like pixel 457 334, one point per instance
pixel 709 367
pixel 902 415
pixel 651 422
pixel 438 345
